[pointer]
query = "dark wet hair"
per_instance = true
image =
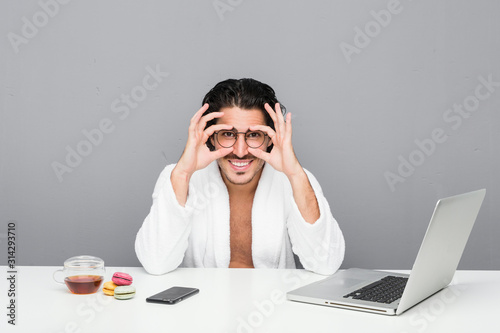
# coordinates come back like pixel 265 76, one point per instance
pixel 245 94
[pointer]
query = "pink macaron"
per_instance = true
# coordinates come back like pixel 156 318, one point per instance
pixel 122 279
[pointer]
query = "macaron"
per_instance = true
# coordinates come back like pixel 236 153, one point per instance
pixel 122 279
pixel 109 288
pixel 124 292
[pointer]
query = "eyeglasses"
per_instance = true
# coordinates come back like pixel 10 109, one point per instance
pixel 227 138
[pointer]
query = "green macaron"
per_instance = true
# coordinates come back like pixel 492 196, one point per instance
pixel 124 292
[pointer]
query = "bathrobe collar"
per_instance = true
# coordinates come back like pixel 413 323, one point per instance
pixel 268 222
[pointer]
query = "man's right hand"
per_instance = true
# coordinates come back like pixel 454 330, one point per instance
pixel 196 154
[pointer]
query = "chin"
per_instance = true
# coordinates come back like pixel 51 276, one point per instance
pixel 236 177
pixel 240 178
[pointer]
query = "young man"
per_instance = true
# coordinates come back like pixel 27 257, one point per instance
pixel 238 196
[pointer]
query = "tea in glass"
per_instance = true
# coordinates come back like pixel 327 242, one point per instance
pixel 82 274
pixel 83 284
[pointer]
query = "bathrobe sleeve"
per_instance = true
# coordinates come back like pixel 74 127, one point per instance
pixel 319 246
pixel 162 240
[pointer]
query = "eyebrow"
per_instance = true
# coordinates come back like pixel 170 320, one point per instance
pixel 235 130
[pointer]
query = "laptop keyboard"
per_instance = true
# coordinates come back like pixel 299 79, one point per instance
pixel 386 290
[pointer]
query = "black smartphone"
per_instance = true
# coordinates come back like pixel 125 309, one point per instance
pixel 173 295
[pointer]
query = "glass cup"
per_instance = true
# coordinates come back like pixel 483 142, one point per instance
pixel 82 274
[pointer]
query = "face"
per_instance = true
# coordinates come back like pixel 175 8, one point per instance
pixel 240 167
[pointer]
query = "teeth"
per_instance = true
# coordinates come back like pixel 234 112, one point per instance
pixel 239 164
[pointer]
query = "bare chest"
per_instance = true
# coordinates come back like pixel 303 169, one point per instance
pixel 241 232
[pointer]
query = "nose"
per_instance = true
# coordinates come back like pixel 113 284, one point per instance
pixel 240 146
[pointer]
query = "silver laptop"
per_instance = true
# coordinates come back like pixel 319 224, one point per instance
pixel 392 293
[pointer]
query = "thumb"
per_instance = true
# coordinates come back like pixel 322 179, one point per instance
pixel 221 152
pixel 259 154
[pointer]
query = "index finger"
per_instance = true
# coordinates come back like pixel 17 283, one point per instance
pixel 196 118
pixel 212 129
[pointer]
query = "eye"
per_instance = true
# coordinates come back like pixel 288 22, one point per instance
pixel 254 135
pixel 227 134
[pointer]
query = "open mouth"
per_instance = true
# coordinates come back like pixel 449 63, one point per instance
pixel 240 165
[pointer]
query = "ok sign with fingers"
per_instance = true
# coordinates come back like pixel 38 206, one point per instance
pixel 196 155
pixel 282 158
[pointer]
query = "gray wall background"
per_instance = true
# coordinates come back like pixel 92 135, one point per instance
pixel 66 68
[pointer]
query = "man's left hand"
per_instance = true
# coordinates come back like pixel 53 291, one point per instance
pixel 282 157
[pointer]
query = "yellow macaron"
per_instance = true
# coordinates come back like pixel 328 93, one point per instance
pixel 109 288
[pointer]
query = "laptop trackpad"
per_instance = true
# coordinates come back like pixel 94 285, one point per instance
pixel 351 279
pixel 342 283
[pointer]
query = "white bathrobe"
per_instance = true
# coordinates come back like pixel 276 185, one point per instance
pixel 197 235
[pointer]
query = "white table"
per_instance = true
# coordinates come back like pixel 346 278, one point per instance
pixel 237 300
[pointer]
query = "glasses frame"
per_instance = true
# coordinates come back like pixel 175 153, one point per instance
pixel 216 134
